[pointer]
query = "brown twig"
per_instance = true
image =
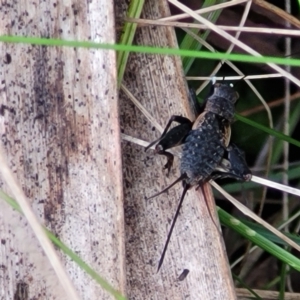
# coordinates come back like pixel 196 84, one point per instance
pixel 271 105
pixel 279 12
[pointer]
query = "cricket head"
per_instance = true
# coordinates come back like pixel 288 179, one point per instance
pixel 226 92
pixel 222 100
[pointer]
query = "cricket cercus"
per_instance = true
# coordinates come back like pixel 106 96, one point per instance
pixel 207 151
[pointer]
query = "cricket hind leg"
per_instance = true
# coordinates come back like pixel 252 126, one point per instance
pixel 171 138
pixel 239 167
pixel 233 165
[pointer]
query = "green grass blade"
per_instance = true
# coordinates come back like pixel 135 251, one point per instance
pixel 84 266
pixel 251 235
pixel 268 130
pixel 283 277
pixel 293 121
pixel 134 11
pixel 151 50
pixel 269 235
pixel 102 282
pixel 247 287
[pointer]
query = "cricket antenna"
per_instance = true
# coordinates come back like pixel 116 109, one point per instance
pixel 183 176
pixel 185 188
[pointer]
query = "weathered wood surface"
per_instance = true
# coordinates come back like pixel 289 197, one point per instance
pixel 59 124
pixel 158 83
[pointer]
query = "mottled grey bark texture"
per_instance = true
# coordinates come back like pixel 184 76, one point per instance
pixel 59 123
pixel 158 83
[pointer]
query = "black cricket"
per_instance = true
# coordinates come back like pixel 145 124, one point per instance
pixel 207 152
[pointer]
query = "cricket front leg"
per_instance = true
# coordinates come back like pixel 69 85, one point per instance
pixel 171 138
pixel 170 158
pixel 166 136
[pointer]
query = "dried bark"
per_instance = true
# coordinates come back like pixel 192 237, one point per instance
pixel 60 128
pixel 158 83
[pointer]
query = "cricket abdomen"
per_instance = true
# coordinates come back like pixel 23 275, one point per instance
pixel 203 149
